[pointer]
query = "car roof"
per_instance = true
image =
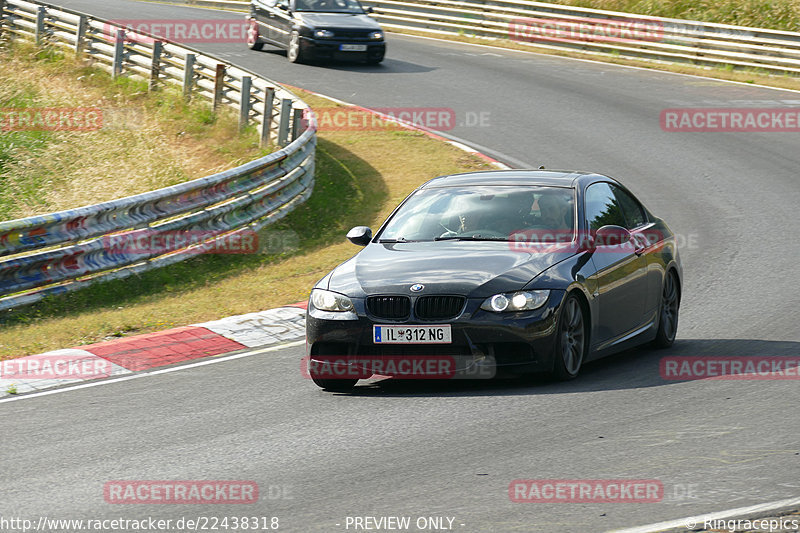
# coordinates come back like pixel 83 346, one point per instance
pixel 551 178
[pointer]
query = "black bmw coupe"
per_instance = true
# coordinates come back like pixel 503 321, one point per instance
pixel 527 270
pixel 316 29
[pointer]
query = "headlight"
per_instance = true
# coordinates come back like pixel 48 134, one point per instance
pixel 515 301
pixel 376 35
pixel 330 301
pixel 323 34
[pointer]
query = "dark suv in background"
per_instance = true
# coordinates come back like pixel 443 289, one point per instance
pixel 316 29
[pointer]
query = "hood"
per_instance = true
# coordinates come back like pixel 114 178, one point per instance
pixel 345 21
pixel 473 269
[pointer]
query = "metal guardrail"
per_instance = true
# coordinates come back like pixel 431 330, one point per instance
pixel 65 251
pixel 588 30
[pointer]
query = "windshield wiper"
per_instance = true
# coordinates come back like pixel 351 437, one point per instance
pixel 398 239
pixel 468 238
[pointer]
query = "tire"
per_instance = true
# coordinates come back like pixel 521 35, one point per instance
pixel 572 340
pixel 254 41
pixel 335 385
pixel 668 312
pixel 295 53
pixel 374 61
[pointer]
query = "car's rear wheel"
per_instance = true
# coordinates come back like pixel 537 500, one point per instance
pixel 295 53
pixel 668 313
pixel 254 41
pixel 571 340
pixel 334 385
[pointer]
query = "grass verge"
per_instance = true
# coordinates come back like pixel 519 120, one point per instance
pixel 146 140
pixel 360 177
pixel 774 14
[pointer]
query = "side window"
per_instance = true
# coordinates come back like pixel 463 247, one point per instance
pixel 602 207
pixel 631 208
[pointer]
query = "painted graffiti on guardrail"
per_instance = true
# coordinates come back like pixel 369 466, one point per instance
pixel 153 242
pixel 190 31
pixel 533 29
pixel 83 119
pixel 730 119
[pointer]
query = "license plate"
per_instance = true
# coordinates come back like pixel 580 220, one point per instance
pixel 412 334
pixel 353 47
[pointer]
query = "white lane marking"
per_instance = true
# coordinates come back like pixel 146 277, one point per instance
pixel 699 520
pixel 157 372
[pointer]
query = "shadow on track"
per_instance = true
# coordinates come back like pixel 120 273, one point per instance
pixel 633 369
pixel 388 66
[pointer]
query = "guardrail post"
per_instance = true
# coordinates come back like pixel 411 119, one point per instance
pixel 219 85
pixel 155 65
pixel 119 53
pixel 80 36
pixel 297 120
pixel 266 116
pixel 244 104
pixel 188 76
pixel 39 34
pixel 2 16
pixel 283 129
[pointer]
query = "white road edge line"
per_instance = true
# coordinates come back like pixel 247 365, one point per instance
pixel 699 520
pixel 156 372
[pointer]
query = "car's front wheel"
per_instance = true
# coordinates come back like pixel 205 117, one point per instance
pixel 668 313
pixel 571 340
pixel 295 53
pixel 254 41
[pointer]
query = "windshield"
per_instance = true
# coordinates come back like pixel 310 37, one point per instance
pixel 329 6
pixel 502 213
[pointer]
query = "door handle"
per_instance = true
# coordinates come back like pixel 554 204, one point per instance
pixel 638 243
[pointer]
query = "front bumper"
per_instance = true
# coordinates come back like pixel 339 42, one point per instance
pixel 517 342
pixel 331 49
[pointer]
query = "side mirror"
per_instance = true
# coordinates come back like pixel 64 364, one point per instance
pixel 283 7
pixel 612 236
pixel 370 10
pixel 360 235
